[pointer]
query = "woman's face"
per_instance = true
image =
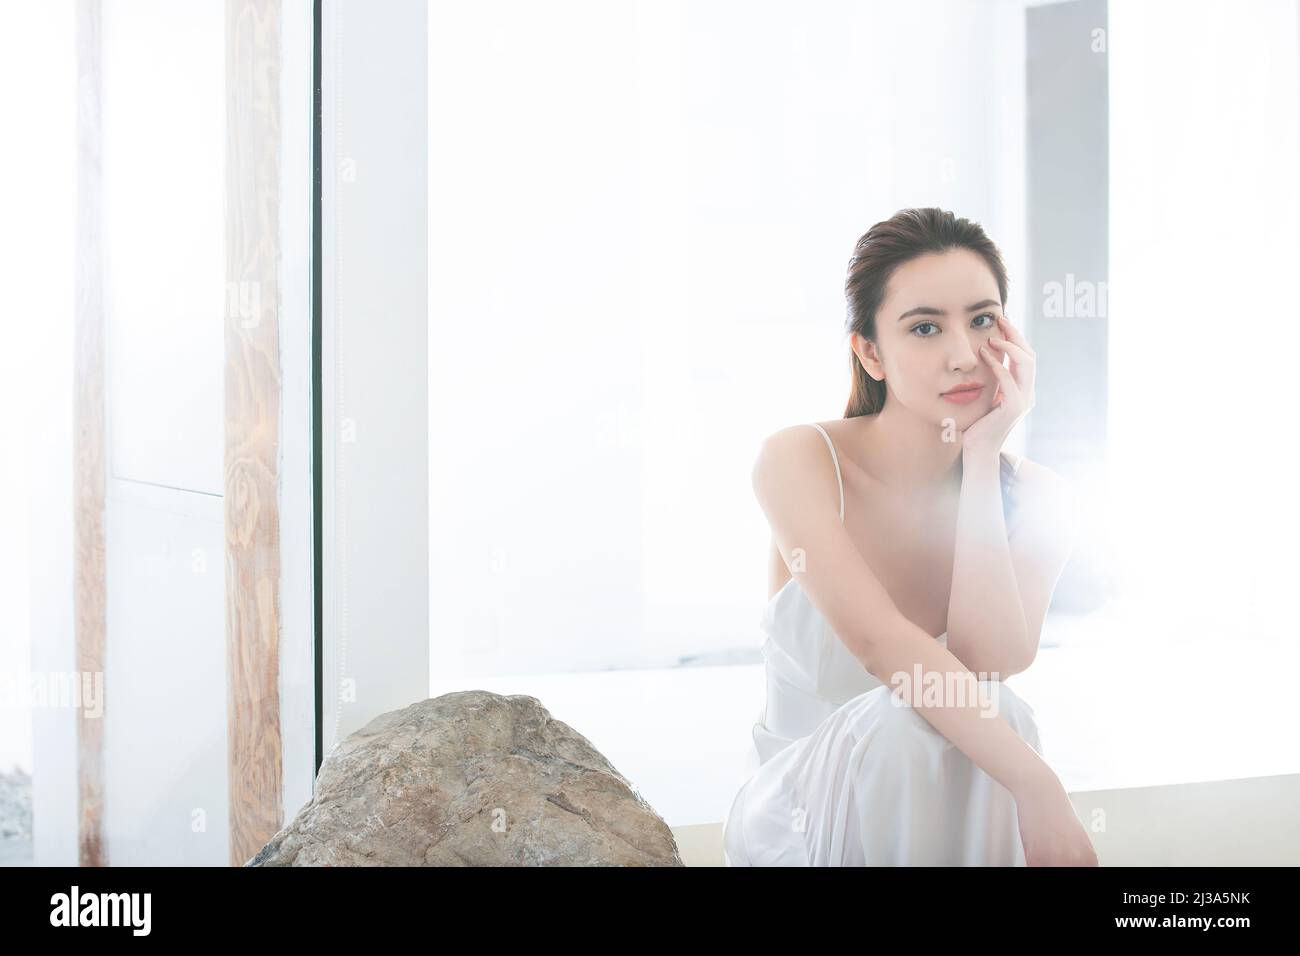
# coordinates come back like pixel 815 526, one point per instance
pixel 939 309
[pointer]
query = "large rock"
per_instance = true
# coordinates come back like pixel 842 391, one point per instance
pixel 471 779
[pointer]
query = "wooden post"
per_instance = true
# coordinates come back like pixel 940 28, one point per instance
pixel 252 403
pixel 88 480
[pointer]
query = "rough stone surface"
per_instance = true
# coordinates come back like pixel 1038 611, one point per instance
pixel 471 778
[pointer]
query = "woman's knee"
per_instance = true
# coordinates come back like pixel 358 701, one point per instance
pixel 896 714
pixel 1006 702
pixel 893 709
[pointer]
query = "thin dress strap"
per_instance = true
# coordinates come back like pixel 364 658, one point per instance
pixel 835 458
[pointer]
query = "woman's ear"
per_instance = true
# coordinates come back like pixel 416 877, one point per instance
pixel 867 354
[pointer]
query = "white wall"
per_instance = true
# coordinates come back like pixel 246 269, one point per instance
pixel 1205 215
pixel 163 122
pixel 297 570
pixel 163 141
pixel 374 346
pixel 641 215
pixel 37 52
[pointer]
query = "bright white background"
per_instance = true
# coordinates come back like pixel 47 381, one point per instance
pixel 1204 329
pixel 37 70
pixel 641 216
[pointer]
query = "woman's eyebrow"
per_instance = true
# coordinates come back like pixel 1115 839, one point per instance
pixel 931 310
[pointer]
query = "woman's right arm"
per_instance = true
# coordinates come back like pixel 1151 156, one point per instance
pixel 794 481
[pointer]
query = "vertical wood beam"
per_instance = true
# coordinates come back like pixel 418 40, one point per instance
pixel 252 410
pixel 88 481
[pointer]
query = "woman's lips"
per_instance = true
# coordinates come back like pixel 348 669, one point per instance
pixel 965 396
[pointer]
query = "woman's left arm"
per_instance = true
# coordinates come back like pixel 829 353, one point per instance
pixel 1002 581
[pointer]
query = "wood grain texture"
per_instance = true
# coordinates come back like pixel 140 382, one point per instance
pixel 252 412
pixel 88 482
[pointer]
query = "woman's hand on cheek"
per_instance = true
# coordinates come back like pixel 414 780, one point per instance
pixel 1014 394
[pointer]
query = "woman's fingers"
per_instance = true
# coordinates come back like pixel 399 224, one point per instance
pixel 1003 374
pixel 1022 362
pixel 1012 333
pixel 1012 349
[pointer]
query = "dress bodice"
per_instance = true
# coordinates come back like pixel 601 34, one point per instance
pixel 810 671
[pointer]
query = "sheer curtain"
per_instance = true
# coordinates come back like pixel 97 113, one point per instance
pixel 1204 330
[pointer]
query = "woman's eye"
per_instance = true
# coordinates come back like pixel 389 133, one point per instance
pixel 991 323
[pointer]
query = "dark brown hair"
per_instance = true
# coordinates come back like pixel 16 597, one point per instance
pixel 886 246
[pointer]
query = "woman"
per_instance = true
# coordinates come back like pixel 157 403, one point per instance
pixel 909 552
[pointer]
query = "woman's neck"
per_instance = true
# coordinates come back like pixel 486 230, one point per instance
pixel 908 453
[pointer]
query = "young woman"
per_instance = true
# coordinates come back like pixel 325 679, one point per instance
pixel 910 552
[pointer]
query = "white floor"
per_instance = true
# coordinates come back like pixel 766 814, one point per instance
pixel 1248 822
pixel 1122 701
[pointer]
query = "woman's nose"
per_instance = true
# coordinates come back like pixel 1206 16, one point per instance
pixel 965 355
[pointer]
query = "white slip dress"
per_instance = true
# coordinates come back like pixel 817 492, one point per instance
pixel 840 775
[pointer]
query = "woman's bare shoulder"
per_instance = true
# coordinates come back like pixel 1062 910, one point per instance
pixel 775 450
pixel 790 461
pixel 792 437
